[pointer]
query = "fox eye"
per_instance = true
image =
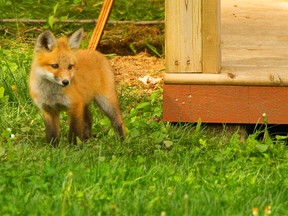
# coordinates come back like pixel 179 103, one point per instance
pixel 70 66
pixel 55 66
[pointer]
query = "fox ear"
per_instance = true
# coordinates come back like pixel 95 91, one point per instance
pixel 74 39
pixel 46 40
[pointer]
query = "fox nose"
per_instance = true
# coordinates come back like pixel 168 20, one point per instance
pixel 65 82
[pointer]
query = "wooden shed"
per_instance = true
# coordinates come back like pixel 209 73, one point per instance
pixel 226 62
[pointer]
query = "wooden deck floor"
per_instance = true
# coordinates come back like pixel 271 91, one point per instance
pixel 255 37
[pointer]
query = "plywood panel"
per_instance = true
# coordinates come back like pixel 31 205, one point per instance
pixel 225 104
pixel 177 106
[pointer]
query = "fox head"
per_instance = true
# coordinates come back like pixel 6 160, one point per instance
pixel 54 59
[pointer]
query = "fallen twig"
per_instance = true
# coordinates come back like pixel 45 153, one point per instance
pixel 23 20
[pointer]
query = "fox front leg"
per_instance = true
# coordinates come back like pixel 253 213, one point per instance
pixel 87 122
pixel 52 128
pixel 77 125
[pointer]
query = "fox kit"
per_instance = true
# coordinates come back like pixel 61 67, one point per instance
pixel 63 78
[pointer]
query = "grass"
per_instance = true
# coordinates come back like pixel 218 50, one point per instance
pixel 161 169
pixel 216 174
pixel 81 9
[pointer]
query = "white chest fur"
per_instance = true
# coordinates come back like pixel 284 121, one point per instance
pixel 50 96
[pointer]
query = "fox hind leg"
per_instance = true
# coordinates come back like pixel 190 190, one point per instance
pixel 109 105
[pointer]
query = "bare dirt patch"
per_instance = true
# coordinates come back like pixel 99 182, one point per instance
pixel 131 39
pixel 133 58
pixel 128 70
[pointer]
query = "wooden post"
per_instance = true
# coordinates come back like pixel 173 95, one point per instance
pixel 211 30
pixel 192 36
pixel 101 22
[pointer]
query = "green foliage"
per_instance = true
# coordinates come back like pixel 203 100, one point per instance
pixel 132 47
pixel 138 10
pixel 200 173
pixel 79 9
pixel 52 17
pixel 147 115
pixel 14 66
pixel 154 50
pixel 7 136
pixel 3 98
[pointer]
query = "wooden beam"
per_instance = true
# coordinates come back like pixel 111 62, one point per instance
pixel 113 22
pixel 233 78
pixel 196 37
pixel 225 104
pixel 192 36
pixel 211 33
pixel 100 25
pixel 183 40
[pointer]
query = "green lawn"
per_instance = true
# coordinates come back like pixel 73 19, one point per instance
pixel 161 169
pixel 81 9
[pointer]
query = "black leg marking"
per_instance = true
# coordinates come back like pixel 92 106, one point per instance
pixel 113 113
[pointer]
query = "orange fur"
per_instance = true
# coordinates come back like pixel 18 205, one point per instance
pixel 63 78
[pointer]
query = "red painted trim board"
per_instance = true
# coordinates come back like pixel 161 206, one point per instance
pixel 225 104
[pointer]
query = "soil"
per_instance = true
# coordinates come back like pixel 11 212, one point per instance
pixel 128 70
pixel 135 61
pixel 131 39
